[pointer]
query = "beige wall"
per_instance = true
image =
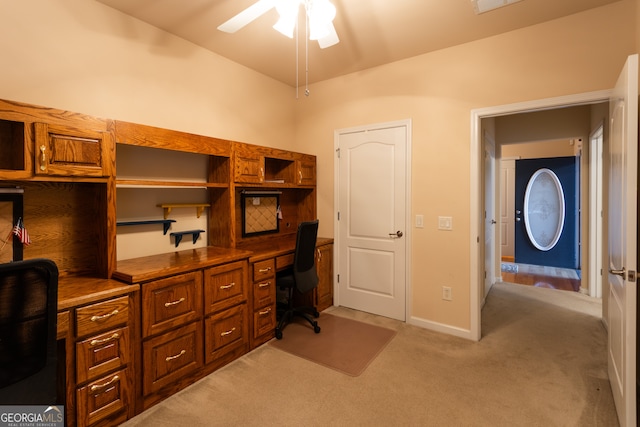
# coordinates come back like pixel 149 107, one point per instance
pixel 579 53
pixel 82 56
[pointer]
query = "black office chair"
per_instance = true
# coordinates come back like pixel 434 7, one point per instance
pixel 28 315
pixel 301 278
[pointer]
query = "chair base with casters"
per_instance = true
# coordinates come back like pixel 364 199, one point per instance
pixel 287 311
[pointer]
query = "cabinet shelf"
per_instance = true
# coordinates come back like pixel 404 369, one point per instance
pixel 194 233
pixel 169 206
pixel 166 223
pixel 139 183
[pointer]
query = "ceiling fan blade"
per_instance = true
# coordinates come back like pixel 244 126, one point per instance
pixel 330 39
pixel 248 15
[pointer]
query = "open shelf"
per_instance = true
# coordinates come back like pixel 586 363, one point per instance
pixel 169 206
pixel 166 223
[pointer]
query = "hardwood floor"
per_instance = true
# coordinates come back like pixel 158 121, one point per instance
pixel 540 276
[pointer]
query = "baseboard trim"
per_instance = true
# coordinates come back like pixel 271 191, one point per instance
pixel 440 327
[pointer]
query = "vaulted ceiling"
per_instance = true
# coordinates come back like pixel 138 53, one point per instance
pixel 371 32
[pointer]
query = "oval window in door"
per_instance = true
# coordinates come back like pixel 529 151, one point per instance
pixel 544 209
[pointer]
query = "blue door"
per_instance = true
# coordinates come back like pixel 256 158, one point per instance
pixel 547 221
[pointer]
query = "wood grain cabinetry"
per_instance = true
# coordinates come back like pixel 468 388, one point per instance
pixel 324 266
pixel 67 151
pixel 263 273
pixel 104 373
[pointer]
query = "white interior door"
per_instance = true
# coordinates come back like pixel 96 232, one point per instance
pixel 489 214
pixel 622 242
pixel 372 200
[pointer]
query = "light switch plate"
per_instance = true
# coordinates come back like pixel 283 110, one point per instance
pixel 445 223
pixel 419 221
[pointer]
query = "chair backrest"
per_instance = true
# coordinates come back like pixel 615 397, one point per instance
pixel 28 314
pixel 304 266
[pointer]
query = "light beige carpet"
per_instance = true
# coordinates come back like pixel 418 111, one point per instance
pixel 343 344
pixel 541 363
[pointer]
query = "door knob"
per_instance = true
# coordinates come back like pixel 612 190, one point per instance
pixel 396 234
pixel 618 272
pixel 493 221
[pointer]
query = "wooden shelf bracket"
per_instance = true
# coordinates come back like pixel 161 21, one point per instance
pixel 194 233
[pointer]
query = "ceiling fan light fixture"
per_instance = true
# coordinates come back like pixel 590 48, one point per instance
pixel 321 14
pixel 288 11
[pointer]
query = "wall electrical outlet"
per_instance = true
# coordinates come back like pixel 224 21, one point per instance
pixel 446 293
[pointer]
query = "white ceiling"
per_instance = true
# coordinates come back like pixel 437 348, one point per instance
pixel 372 32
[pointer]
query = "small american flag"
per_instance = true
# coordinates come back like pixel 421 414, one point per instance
pixel 21 232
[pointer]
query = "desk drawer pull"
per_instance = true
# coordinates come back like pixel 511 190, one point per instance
pixel 224 334
pixel 107 384
pixel 264 284
pixel 230 285
pixel 169 304
pixel 267 311
pixel 170 358
pixel 104 316
pixel 102 341
pixel 264 270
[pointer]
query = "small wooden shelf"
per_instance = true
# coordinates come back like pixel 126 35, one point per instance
pixel 168 206
pixel 166 223
pixel 194 233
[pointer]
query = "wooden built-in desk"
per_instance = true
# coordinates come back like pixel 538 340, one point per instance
pixel 97 322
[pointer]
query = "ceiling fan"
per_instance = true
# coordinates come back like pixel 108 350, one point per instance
pixel 320 15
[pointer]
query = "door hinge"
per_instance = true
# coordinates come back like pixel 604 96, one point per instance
pixel 338 216
pixel 338 278
pixel 338 152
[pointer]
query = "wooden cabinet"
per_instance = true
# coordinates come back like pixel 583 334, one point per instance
pixel 248 168
pixel 226 323
pixel 104 360
pixel 263 274
pixel 194 320
pixel 324 267
pixel 67 151
pixel 306 171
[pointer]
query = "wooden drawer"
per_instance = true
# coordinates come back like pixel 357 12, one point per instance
pixel 171 356
pixel 226 331
pixel 107 397
pixel 102 316
pixel 100 354
pixel 171 302
pixel 225 286
pixel 264 292
pixel 284 261
pixel 264 321
pixel 263 269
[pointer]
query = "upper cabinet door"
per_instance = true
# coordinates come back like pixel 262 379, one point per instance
pixel 66 151
pixel 306 172
pixel 249 168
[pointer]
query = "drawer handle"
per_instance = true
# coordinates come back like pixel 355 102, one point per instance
pixel 300 174
pixel 102 341
pixel 264 270
pixel 169 304
pixel 319 254
pixel 107 384
pixel 104 316
pixel 224 334
pixel 43 158
pixel 264 284
pixel 170 358
pixel 230 285
pixel 267 311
